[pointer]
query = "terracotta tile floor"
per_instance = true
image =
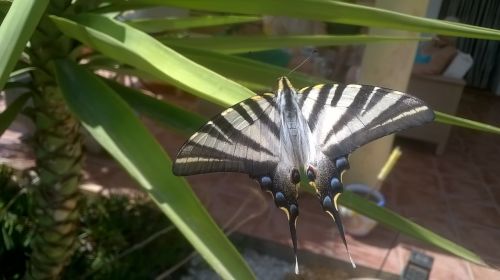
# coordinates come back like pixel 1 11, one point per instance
pixel 456 195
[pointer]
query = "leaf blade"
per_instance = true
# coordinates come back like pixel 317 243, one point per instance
pixel 110 120
pixel 405 226
pixel 334 11
pixel 246 70
pixel 156 25
pixel 166 113
pixel 15 31
pixel 10 114
pixel 128 45
pixel 240 44
pixel 457 121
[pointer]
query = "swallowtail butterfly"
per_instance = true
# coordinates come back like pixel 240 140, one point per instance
pixel 280 138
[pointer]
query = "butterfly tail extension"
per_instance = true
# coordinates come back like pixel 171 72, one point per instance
pixel 333 211
pixel 326 178
pixel 283 186
pixel 291 210
pixel 292 222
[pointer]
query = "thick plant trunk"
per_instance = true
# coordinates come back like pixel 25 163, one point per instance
pixel 56 196
pixel 58 151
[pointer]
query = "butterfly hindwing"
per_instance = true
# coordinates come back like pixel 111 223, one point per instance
pixel 243 138
pixel 345 117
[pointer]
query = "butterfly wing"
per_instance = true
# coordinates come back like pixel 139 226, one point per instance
pixel 243 138
pixel 345 117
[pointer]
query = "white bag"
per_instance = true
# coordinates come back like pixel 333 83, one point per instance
pixel 459 66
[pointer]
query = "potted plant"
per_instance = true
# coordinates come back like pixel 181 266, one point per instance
pixel 44 38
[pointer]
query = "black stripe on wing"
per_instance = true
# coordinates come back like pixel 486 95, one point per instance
pixel 312 119
pixel 353 110
pixel 358 114
pixel 243 138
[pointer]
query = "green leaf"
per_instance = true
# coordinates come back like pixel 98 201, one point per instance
pixel 167 114
pixel 120 6
pixel 129 45
pixel 405 226
pixel 101 62
pixel 240 44
pixel 17 85
pixel 333 11
pixel 156 25
pixel 21 71
pixel 15 31
pixel 110 121
pixel 246 70
pixel 457 121
pixel 262 76
pixel 10 114
pixel 4 8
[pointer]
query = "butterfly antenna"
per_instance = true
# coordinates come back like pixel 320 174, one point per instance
pixel 315 51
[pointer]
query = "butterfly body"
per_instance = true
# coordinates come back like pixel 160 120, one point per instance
pixel 296 142
pixel 280 138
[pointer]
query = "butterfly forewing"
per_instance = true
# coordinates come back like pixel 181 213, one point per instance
pixel 243 138
pixel 345 117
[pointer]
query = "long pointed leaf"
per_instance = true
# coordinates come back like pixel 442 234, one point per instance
pixel 121 6
pixel 129 45
pixel 170 24
pixel 113 124
pixel 239 44
pixel 16 29
pixel 247 70
pixel 262 76
pixel 333 11
pixel 165 113
pixel 457 121
pixel 405 226
pixel 4 8
pixel 10 114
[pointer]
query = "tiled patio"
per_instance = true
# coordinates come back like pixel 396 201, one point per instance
pixel 456 195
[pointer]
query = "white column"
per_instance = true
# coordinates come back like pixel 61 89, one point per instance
pixel 387 65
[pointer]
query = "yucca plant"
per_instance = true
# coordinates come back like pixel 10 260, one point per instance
pixel 44 38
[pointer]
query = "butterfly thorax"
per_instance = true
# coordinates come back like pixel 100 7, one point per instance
pixel 296 142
